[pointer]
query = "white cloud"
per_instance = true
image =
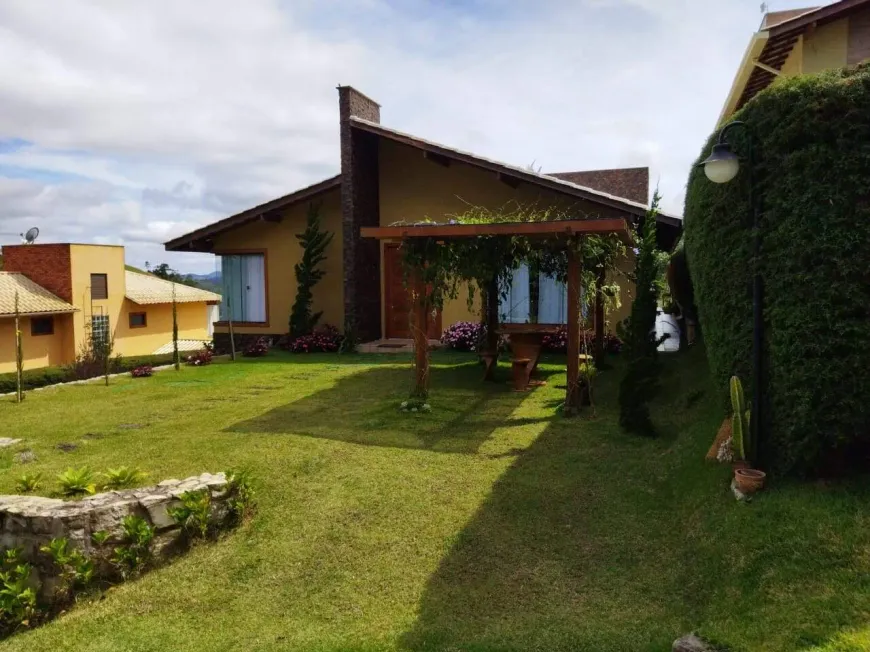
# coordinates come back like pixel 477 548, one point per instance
pixel 149 119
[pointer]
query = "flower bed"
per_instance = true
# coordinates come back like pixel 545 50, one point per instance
pixel 326 339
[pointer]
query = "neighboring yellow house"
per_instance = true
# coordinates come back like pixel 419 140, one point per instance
pixel 801 42
pixel 70 293
pixel 386 177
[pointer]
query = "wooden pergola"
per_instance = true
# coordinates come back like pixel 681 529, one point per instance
pixel 565 231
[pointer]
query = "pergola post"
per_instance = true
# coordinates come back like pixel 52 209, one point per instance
pixel 419 327
pixel 599 316
pixel 573 399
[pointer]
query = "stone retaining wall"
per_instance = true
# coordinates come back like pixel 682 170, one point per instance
pixel 29 522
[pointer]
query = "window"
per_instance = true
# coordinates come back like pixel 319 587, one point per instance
pixel 99 286
pixel 100 329
pixel 244 288
pixel 138 320
pixel 41 326
pixel 552 300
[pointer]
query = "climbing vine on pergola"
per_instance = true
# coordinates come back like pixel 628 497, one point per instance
pixel 481 248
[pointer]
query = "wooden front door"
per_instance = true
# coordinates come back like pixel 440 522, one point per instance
pixel 397 299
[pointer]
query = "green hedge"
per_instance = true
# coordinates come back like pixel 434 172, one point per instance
pixel 34 378
pixel 815 180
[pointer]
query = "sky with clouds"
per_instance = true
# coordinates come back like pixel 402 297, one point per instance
pixel 134 122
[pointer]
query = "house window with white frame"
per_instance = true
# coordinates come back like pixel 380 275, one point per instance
pixel 100 329
pixel 243 277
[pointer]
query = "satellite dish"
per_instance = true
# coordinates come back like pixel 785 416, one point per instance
pixel 31 235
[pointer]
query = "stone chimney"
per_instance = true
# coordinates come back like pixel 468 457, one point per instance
pixel 360 206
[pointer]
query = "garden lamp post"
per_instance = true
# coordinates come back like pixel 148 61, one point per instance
pixel 722 166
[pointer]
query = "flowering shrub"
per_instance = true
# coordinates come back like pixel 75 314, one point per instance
pixel 464 336
pixel 325 339
pixel 558 342
pixel 143 371
pixel 257 348
pixel 201 358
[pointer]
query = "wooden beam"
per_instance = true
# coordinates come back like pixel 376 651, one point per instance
pixel 509 180
pixel 440 159
pixel 573 399
pixel 532 229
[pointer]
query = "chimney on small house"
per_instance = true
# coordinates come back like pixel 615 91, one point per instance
pixel 353 103
pixel 360 206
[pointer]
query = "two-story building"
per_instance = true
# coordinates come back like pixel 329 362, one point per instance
pixel 71 294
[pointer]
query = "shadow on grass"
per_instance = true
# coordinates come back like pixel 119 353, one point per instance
pixel 597 540
pixel 363 408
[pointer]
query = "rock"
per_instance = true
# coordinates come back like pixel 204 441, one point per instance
pixel 66 447
pixel 158 510
pixel 692 643
pixel 25 457
pixel 6 442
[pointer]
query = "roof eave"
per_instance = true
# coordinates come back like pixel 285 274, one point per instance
pixel 753 51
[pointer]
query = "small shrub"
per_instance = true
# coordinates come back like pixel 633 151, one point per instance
pixel 464 336
pixel 325 339
pixel 193 513
pixel 100 537
pixel 17 595
pixel 201 358
pixel 75 570
pixel 134 553
pixel 144 371
pixel 240 494
pixel 257 349
pixel 558 342
pixel 123 477
pixel 74 482
pixel 28 482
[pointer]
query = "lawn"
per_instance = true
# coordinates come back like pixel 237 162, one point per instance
pixel 489 524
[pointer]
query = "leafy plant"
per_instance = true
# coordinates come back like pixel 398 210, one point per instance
pixel 464 336
pixel 74 482
pixel 194 511
pixel 18 604
pixel 28 482
pixel 100 537
pixel 123 477
pixel 134 553
pixel 640 383
pixel 314 242
pixel 74 568
pixel 240 496
pixel 740 433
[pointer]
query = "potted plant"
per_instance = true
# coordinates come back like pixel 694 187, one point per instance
pixel 748 480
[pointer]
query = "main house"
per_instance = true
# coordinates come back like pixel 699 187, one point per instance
pixel 386 177
pixel 800 42
pixel 70 294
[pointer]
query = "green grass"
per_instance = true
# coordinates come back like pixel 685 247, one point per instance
pixel 489 524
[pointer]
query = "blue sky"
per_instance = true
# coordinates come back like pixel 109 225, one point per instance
pixel 132 123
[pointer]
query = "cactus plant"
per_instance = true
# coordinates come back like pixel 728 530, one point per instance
pixel 739 420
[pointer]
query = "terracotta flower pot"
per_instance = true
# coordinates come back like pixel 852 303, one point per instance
pixel 749 480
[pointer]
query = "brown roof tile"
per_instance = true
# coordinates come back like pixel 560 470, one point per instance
pixel 630 183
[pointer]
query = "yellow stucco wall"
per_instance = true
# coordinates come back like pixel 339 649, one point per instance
pixel 413 188
pixel 825 47
pixel 192 325
pixel 794 64
pixel 283 253
pixel 39 351
pixel 96 259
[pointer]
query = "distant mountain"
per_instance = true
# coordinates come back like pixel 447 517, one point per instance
pixel 213 277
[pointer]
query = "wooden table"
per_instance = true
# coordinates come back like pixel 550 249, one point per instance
pixel 526 342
